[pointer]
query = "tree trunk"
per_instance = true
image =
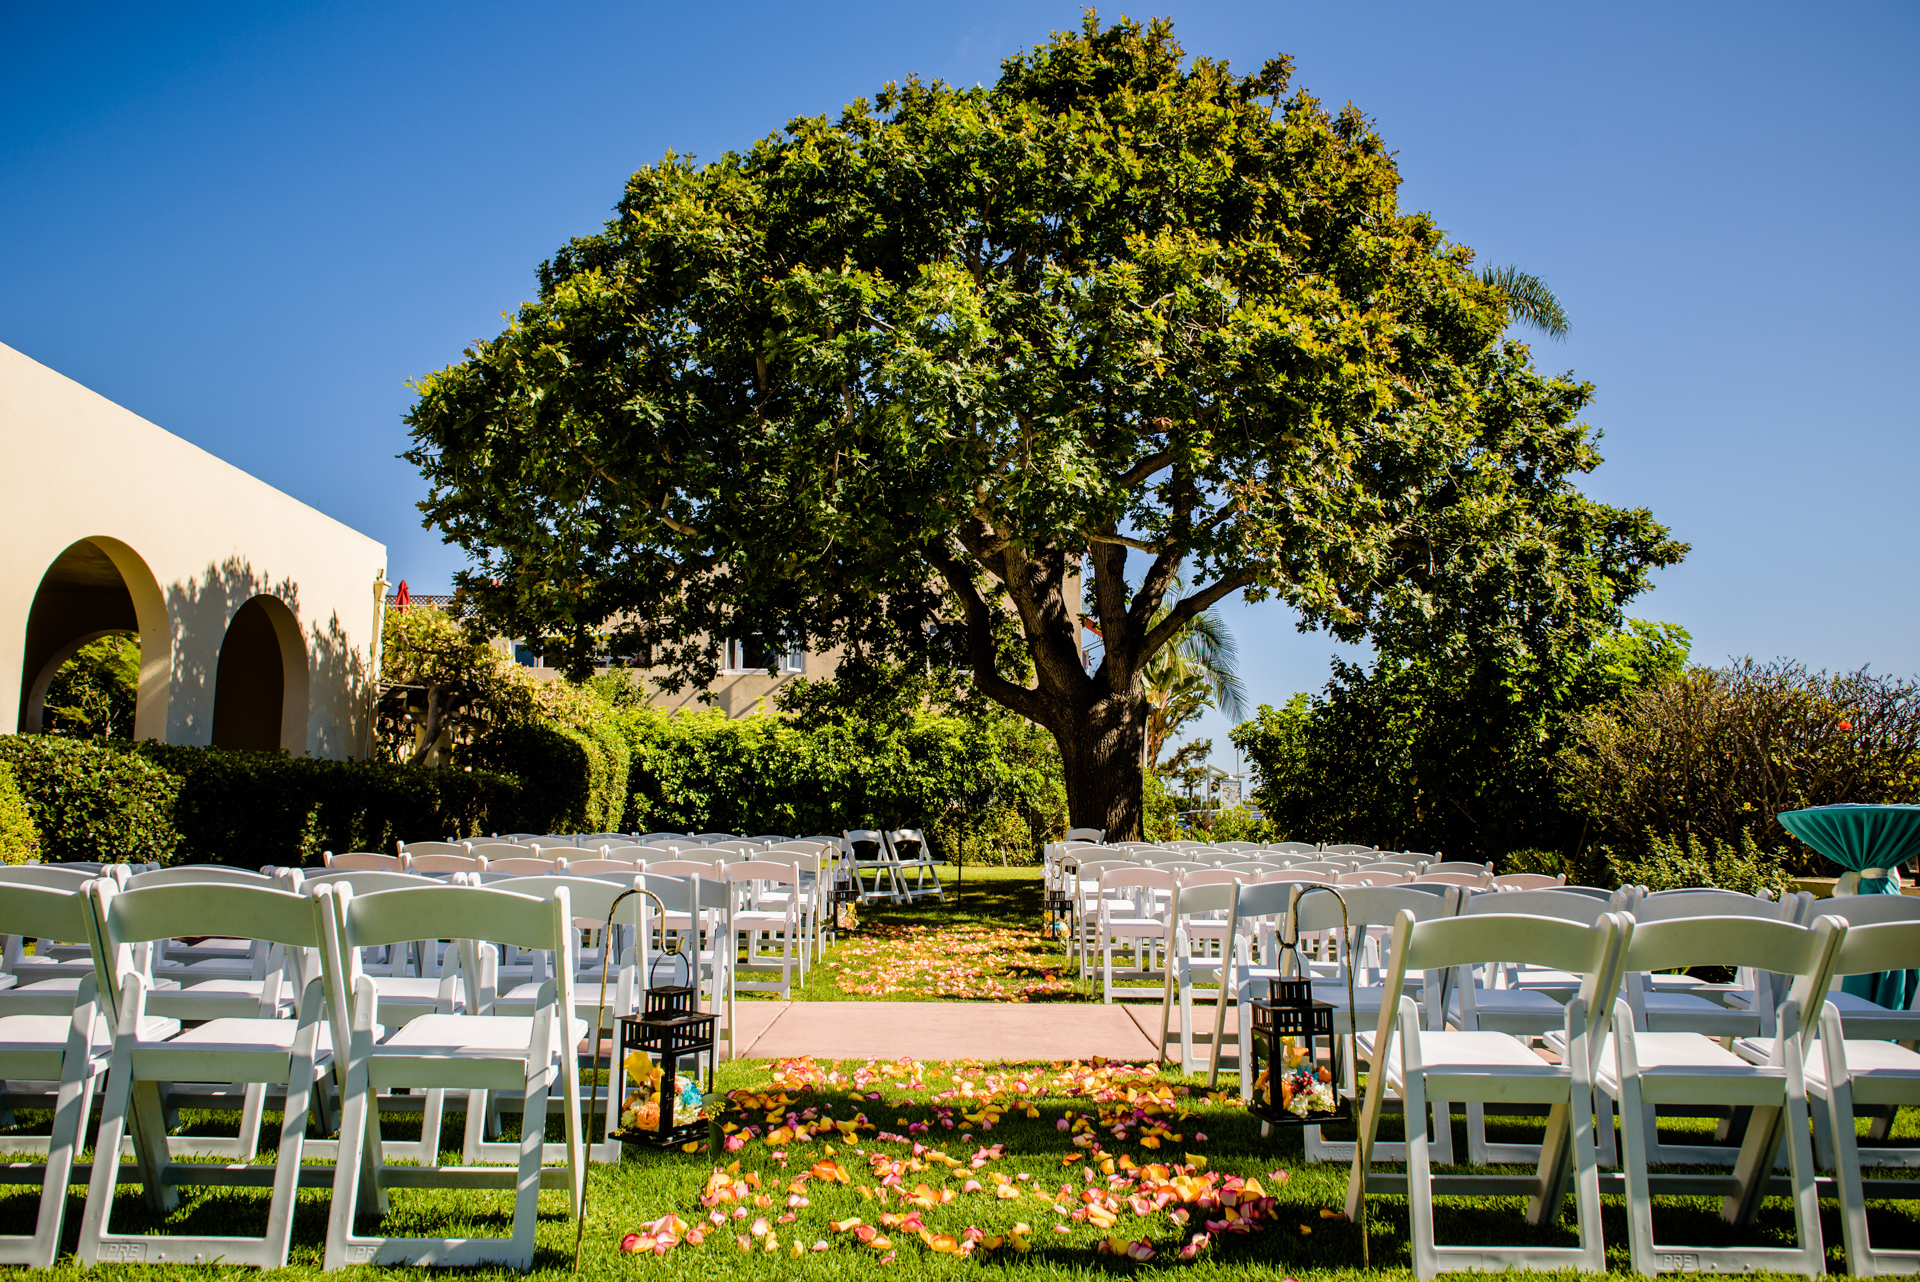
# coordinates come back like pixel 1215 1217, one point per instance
pixel 1100 752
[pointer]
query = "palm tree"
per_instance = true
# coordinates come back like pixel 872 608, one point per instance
pixel 1198 669
pixel 1528 299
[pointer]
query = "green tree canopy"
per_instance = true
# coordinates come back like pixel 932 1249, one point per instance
pixel 896 380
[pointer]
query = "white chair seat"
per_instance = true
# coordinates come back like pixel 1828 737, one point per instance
pixel 33 1044
pixel 1870 1059
pixel 211 1051
pixel 1689 1057
pixel 469 1036
pixel 1457 1054
pixel 53 996
pixel 1683 1012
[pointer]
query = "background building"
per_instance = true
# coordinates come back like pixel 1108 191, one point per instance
pixel 257 616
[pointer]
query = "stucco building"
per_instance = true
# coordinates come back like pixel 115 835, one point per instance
pixel 257 616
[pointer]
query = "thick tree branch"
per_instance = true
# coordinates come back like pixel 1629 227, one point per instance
pixel 980 649
pixel 1183 613
pixel 1143 469
pixel 1124 542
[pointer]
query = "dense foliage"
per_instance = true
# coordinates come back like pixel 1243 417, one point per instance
pixel 93 694
pixel 1417 754
pixel 1713 754
pixel 896 379
pixel 571 780
pixel 95 801
pixel 19 840
pixel 164 803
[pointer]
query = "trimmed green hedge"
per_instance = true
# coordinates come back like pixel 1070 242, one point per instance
pixel 571 780
pixel 95 801
pixel 165 803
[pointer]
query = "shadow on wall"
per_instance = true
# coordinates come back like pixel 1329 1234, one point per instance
pixel 240 669
pixel 237 637
pixel 336 666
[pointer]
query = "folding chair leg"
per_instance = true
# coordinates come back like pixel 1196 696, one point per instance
pixel 1413 1093
pixel 71 1106
pixel 1633 1144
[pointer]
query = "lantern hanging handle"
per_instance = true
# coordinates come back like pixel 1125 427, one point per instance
pixel 599 1017
pixel 1290 943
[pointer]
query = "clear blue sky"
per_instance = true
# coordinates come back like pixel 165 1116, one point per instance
pixel 253 223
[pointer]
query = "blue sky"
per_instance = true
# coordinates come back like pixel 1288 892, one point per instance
pixel 252 224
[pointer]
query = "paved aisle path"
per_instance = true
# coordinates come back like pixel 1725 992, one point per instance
pixel 942 1030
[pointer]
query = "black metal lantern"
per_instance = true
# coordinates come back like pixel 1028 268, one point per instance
pixel 1298 1063
pixel 663 1106
pixel 1059 912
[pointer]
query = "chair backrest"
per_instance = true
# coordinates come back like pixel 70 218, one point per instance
pixel 1539 903
pixel 481 913
pixel 1253 868
pixel 1182 866
pixel 761 870
pixel 1868 910
pixel 419 848
pixel 363 859
pixel 1461 865
pixel 1292 847
pixel 527 867
pixel 709 838
pixel 447 863
pixel 838 842
pixel 1528 880
pixel 1432 878
pixel 802 861
pixel 365 881
pixel 1715 903
pixel 58 877
pixel 1345 850
pixel 866 845
pixel 592 867
pixel 684 868
pixel 1095 835
pixel 1331 867
pixel 1094 869
pixel 200 875
pixel 183 909
pixel 1745 941
pixel 1182 845
pixel 44 912
pixel 667 838
pixel 1372 877
pixel 1215 877
pixel 1296 877
pixel 494 851
pixel 746 849
pixel 517 838
pixel 804 848
pixel 586 839
pixel 909 844
pixel 1207 897
pixel 590 897
pixel 1445 943
pixel 633 854
pixel 1137 877
pixel 1368 906
pixel 1885 945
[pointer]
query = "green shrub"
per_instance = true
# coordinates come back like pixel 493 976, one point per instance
pixel 567 777
pixel 1236 823
pixel 1741 865
pixel 996 834
pixel 90 801
pixel 19 842
pixel 1547 863
pixel 251 809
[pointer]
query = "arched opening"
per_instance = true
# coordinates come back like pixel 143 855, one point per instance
pixel 96 588
pixel 260 691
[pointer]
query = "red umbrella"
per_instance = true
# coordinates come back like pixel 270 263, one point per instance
pixel 402 599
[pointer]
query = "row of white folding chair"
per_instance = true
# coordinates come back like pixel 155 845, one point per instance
pixel 1644 1068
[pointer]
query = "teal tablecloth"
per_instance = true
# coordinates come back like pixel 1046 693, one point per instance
pixel 1862 838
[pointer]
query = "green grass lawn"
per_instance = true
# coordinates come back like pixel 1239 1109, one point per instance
pixel 964 1131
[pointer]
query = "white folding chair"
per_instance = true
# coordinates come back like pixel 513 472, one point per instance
pixel 419 848
pixel 1346 850
pixel 1528 881
pixel 1488 1066
pixel 472 1051
pixel 1644 1069
pixel 437 864
pixel 913 853
pixel 1094 835
pixel 766 909
pixel 69 1049
pixel 1131 910
pixel 1881 1074
pixel 266 1049
pixel 1202 947
pixel 867 851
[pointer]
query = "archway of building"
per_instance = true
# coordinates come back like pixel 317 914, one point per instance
pixel 95 588
pixel 260 690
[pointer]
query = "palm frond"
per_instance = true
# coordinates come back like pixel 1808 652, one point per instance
pixel 1529 301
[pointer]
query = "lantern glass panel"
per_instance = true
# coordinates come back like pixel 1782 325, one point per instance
pixel 663 1100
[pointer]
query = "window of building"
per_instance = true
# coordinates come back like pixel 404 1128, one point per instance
pixel 751 654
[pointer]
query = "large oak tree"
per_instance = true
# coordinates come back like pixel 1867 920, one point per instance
pixel 899 380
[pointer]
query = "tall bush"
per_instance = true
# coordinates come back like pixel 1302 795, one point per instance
pixel 92 801
pixel 19 842
pixel 569 780
pixel 1716 753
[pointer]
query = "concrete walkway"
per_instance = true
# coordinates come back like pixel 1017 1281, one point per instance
pixel 991 1031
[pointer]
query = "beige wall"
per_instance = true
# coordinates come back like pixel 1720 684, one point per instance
pixel 737 694
pixel 155 535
